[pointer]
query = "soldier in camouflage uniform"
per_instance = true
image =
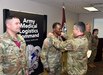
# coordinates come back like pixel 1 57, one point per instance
pixel 94 45
pixel 51 56
pixel 12 49
pixel 88 35
pixel 77 50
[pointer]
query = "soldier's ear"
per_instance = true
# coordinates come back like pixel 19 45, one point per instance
pixel 54 29
pixel 8 25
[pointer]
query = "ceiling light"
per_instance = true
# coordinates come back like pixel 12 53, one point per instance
pixel 91 8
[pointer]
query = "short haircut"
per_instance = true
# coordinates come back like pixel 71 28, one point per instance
pixel 55 24
pixel 81 26
pixel 10 17
pixel 94 30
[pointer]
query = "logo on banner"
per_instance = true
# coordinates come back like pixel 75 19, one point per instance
pixel 33 57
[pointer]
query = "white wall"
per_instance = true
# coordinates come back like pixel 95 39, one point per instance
pixel 71 19
pixel 89 17
pixel 54 14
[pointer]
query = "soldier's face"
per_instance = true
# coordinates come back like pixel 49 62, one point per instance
pixel 95 33
pixel 14 25
pixel 58 30
pixel 88 27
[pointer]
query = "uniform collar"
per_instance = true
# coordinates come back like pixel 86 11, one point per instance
pixel 9 36
pixel 79 36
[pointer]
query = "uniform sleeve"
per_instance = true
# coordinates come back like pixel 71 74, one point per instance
pixel 62 45
pixel 97 40
pixel 1 60
pixel 44 53
pixel 25 57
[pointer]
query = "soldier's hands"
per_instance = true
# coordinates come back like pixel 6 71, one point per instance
pixel 26 73
pixel 89 52
pixel 64 36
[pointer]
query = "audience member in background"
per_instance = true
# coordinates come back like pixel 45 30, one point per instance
pixel 12 49
pixel 89 37
pixel 94 46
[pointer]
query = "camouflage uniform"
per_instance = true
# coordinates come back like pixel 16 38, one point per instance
pixel 89 37
pixel 94 47
pixel 51 57
pixel 77 54
pixel 12 58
